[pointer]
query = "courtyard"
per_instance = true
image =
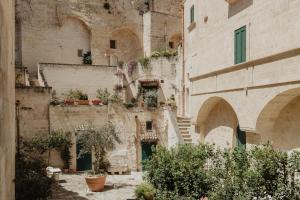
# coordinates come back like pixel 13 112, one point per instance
pixel 117 187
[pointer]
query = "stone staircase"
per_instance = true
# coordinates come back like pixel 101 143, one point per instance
pixel 184 125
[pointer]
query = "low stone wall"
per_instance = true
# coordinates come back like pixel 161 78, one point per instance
pixel 88 78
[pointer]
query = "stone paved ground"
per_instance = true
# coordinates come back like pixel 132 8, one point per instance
pixel 73 187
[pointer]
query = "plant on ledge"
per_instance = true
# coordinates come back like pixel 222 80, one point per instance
pixel 98 141
pixel 150 98
pixel 106 97
pixel 167 53
pixel 77 95
pixel 87 58
pixel 145 62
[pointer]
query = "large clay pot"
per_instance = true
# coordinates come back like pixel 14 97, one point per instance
pixel 95 183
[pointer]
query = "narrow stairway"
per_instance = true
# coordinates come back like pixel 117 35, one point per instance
pixel 184 125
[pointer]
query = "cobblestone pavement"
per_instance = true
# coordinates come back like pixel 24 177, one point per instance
pixel 117 187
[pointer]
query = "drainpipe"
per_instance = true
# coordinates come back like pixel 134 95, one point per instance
pixel 183 63
pixel 18 125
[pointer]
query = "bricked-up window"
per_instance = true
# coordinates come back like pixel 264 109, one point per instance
pixel 80 52
pixel 149 125
pixel 113 44
pixel 192 14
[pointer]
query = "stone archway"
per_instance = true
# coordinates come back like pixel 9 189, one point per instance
pixel 217 123
pixel 127 45
pixel 279 121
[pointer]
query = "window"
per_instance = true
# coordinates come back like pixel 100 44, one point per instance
pixel 113 44
pixel 240 45
pixel 80 53
pixel 192 14
pixel 240 137
pixel 148 125
pixel 171 45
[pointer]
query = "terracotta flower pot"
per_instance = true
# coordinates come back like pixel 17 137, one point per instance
pixel 69 102
pixel 95 183
pixel 96 102
pixel 83 102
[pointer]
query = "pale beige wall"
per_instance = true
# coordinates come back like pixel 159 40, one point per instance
pixel 159 30
pixel 54 44
pixel 271 28
pixel 34 110
pixel 172 7
pixel 53 31
pixel 7 100
pixel 88 78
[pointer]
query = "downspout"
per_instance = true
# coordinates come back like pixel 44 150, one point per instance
pixel 183 63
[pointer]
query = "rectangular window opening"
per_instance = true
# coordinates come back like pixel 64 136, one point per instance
pixel 113 44
pixel 192 14
pixel 240 45
pixel 149 125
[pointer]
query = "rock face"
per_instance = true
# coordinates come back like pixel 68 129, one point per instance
pixel 7 100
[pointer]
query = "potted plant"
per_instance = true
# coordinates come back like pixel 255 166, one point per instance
pixel 96 102
pixel 83 99
pixel 103 95
pixel 99 142
pixel 69 102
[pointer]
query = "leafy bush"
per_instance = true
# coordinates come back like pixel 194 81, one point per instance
pixel 145 191
pixel 180 172
pixel 144 62
pixel 87 58
pixel 150 98
pixel 107 98
pixel 189 172
pixel 167 53
pixel 76 95
pixel 31 177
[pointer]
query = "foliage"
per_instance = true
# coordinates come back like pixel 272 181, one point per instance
pixel 144 62
pixel 145 191
pixel 55 100
pixel 76 95
pixel 106 97
pixel 120 63
pixel 131 67
pixel 167 53
pixel 31 177
pixel 87 58
pixel 180 171
pixel 189 172
pixel 150 98
pixel 99 141
pixel 57 140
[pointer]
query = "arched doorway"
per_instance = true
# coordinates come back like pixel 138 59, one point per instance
pixel 217 124
pixel 279 121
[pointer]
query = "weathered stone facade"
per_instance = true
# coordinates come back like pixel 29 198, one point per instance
pixel 261 95
pixel 7 100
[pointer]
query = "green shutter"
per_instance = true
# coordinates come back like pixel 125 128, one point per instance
pixel 240 138
pixel 240 45
pixel 192 13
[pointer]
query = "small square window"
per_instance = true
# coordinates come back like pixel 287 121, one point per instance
pixel 80 52
pixel 149 125
pixel 113 44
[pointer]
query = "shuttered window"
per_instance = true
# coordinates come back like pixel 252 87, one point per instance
pixel 240 45
pixel 192 14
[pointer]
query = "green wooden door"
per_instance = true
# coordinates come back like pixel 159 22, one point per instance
pixel 147 150
pixel 84 163
pixel 240 45
pixel 240 138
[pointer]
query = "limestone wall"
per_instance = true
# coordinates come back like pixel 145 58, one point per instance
pixel 34 111
pixel 7 100
pixel 63 77
pixel 54 31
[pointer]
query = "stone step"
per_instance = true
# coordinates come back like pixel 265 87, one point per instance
pixel 186 140
pixel 184 121
pixel 184 124
pixel 186 136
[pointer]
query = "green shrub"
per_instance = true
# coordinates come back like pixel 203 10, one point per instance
pixel 145 191
pixel 87 58
pixel 31 178
pixel 167 53
pixel 76 95
pixel 189 172
pixel 107 98
pixel 144 62
pixel 150 98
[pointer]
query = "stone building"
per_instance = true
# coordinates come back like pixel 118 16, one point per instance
pixel 54 39
pixel 7 100
pixel 241 66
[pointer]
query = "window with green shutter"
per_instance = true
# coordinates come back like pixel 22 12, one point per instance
pixel 192 14
pixel 240 45
pixel 240 138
